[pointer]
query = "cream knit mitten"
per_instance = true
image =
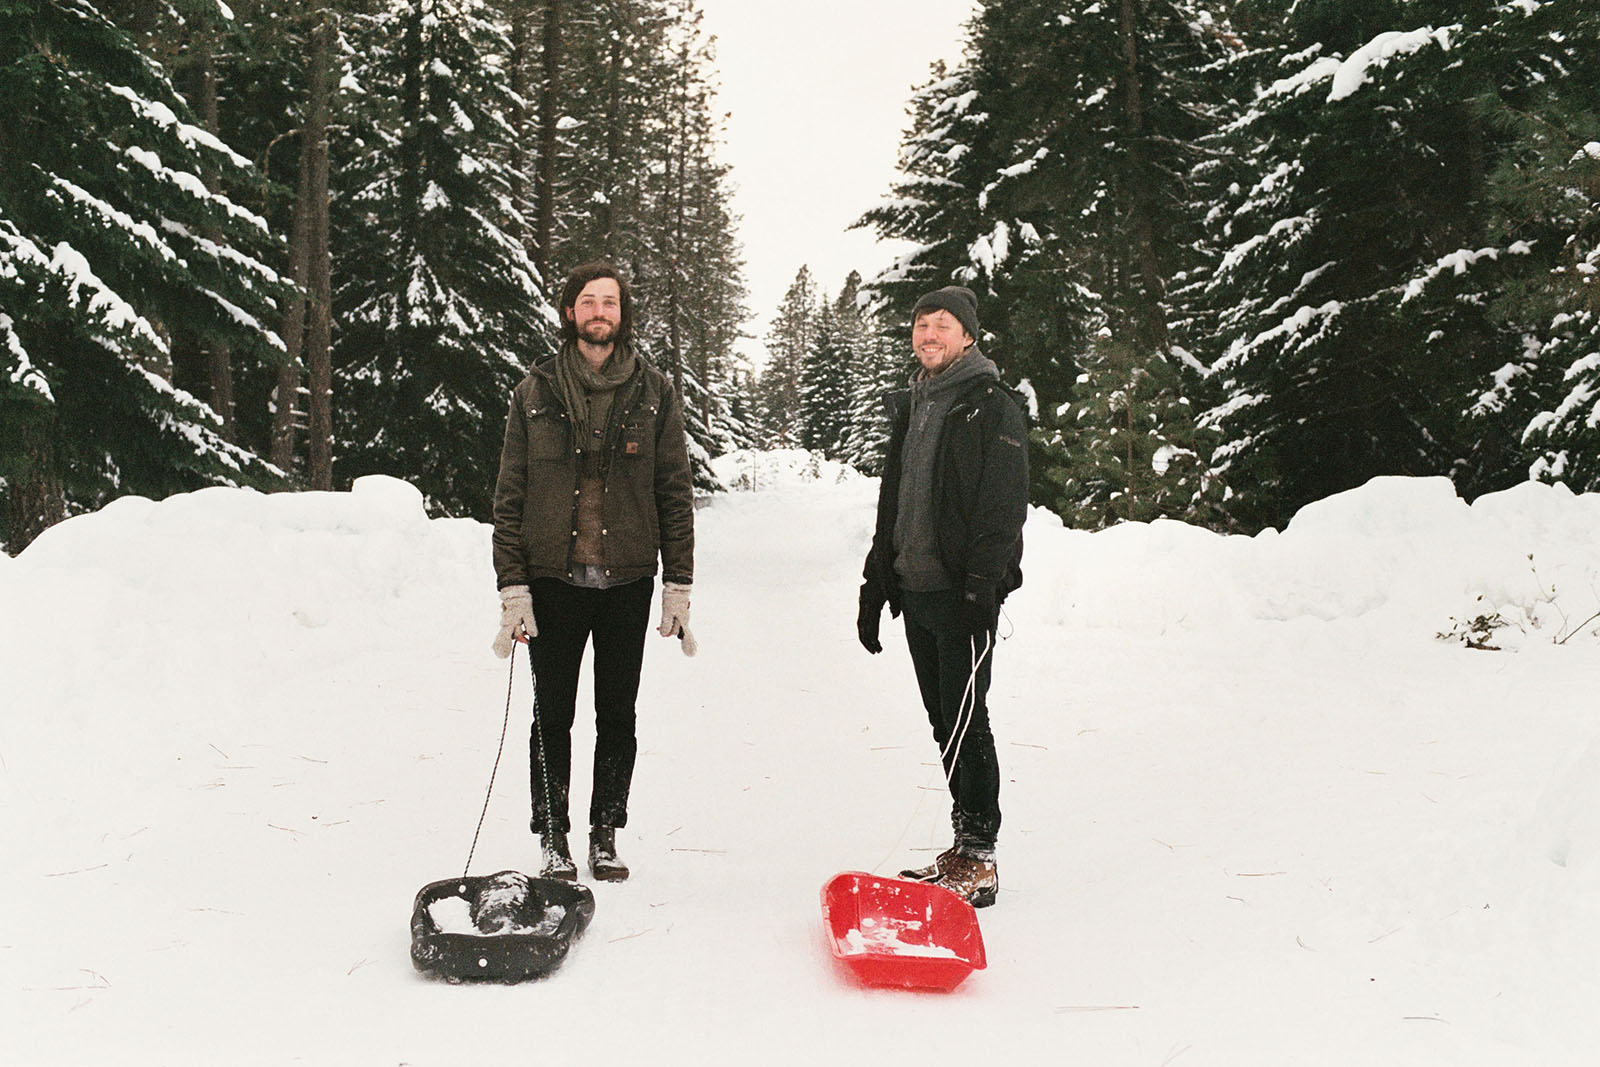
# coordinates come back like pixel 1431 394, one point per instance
pixel 675 615
pixel 516 613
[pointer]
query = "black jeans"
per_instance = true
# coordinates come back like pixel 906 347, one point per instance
pixel 942 651
pixel 567 617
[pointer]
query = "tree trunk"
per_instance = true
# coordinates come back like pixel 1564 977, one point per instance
pixel 521 58
pixel 219 356
pixel 1152 327
pixel 319 363
pixel 608 210
pixel 549 115
pixel 36 501
pixel 286 394
pixel 674 271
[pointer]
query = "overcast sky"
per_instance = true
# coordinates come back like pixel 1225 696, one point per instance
pixel 817 91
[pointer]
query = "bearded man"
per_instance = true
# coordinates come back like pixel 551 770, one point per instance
pixel 594 489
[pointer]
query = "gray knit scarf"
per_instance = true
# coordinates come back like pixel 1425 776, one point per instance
pixel 588 392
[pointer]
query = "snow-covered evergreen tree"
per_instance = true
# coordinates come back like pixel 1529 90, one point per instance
pixel 111 242
pixel 825 373
pixel 1357 300
pixel 1356 172
pixel 884 364
pixel 1049 174
pixel 1542 407
pixel 790 336
pixel 1133 452
pixel 441 308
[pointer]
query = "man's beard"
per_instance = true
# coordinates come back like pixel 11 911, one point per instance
pixel 607 331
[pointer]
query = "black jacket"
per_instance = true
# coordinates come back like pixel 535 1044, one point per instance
pixel 980 487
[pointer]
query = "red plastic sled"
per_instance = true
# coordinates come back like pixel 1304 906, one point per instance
pixel 894 932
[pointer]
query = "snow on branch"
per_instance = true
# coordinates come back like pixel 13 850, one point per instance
pixel 23 372
pixel 118 219
pixel 1349 75
pixel 986 252
pixel 247 320
pixel 103 304
pixel 1353 73
pixel 163 116
pixel 191 184
pixel 1319 71
pixel 223 252
pixel 1457 263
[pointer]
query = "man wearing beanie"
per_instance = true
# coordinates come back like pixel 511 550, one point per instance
pixel 594 485
pixel 946 551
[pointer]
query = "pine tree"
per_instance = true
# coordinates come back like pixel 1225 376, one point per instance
pixel 1142 458
pixel 441 306
pixel 112 242
pixel 1049 174
pixel 826 369
pixel 693 284
pixel 1540 414
pixel 884 365
pixel 791 335
pixel 1366 309
pixel 1363 173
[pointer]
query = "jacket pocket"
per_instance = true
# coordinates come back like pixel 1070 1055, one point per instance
pixel 636 438
pixel 547 433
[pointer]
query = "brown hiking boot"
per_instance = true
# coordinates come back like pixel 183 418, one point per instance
pixel 932 870
pixel 603 861
pixel 978 881
pixel 556 861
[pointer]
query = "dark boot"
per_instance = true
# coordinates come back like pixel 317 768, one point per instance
pixel 557 861
pixel 978 881
pixel 932 870
pixel 603 861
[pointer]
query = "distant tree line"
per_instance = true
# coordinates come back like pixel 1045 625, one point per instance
pixel 289 243
pixel 830 360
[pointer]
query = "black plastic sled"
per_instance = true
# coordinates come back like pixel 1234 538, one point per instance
pixel 505 927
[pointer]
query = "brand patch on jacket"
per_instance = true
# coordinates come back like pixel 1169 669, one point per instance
pixel 631 448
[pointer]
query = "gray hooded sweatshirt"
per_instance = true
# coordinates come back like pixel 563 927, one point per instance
pixel 916 543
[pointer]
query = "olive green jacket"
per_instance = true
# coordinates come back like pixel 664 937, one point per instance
pixel 648 509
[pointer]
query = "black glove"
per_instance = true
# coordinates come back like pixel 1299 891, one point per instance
pixel 867 618
pixel 980 611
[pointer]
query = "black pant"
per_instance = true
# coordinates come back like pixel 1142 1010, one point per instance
pixel 942 651
pixel 567 617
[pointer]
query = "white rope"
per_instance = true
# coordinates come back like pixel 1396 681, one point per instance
pixel 964 714
pixel 967 708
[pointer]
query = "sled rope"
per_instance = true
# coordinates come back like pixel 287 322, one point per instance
pixel 969 703
pixel 544 768
pixel 504 725
pixel 968 707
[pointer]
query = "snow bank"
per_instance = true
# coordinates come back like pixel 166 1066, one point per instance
pixel 1403 554
pixel 256 563
pixel 1406 555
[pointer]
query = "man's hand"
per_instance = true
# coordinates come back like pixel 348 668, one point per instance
pixel 979 610
pixel 868 617
pixel 516 618
pixel 675 616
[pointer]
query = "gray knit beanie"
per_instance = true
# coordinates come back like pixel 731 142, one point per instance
pixel 956 299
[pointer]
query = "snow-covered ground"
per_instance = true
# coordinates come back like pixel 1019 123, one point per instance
pixel 1255 812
